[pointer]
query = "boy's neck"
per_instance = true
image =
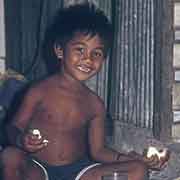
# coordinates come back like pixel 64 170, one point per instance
pixel 70 82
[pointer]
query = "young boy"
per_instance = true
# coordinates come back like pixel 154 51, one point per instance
pixel 58 132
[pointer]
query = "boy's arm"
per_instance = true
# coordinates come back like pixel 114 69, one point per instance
pixel 98 150
pixel 21 119
pixel 101 153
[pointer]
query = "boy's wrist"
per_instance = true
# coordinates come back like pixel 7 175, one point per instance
pixel 121 157
pixel 124 157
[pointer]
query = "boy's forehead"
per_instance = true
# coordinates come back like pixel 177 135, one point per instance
pixel 84 37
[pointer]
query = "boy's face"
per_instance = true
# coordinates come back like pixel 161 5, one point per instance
pixel 83 56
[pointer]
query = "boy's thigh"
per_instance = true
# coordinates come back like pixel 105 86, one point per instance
pixel 35 172
pixel 12 156
pixel 15 161
pixel 134 170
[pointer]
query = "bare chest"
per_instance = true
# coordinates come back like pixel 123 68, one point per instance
pixel 67 113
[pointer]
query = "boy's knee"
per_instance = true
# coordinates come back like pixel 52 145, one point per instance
pixel 140 166
pixel 12 156
pixel 140 170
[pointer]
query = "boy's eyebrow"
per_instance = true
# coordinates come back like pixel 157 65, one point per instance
pixel 78 43
pixel 81 43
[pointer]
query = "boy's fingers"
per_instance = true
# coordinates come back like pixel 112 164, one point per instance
pixel 153 162
pixel 33 148
pixel 34 137
pixel 32 140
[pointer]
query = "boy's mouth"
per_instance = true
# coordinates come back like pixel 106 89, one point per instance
pixel 84 68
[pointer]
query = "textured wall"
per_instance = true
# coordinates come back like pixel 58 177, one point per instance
pixel 132 62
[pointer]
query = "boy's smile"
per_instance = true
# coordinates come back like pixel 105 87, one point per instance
pixel 83 56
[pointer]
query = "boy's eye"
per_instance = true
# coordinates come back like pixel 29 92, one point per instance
pixel 80 50
pixel 98 54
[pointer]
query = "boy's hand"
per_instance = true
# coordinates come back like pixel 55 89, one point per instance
pixel 156 162
pixel 153 162
pixel 33 141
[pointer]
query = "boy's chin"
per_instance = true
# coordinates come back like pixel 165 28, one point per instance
pixel 84 77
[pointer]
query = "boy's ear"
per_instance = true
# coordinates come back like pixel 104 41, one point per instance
pixel 58 51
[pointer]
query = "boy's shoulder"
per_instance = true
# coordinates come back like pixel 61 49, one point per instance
pixel 40 86
pixel 97 101
pixel 44 83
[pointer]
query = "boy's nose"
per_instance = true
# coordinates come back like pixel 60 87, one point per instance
pixel 88 57
pixel 88 60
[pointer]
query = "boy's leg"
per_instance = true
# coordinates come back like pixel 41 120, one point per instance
pixel 135 170
pixel 15 165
